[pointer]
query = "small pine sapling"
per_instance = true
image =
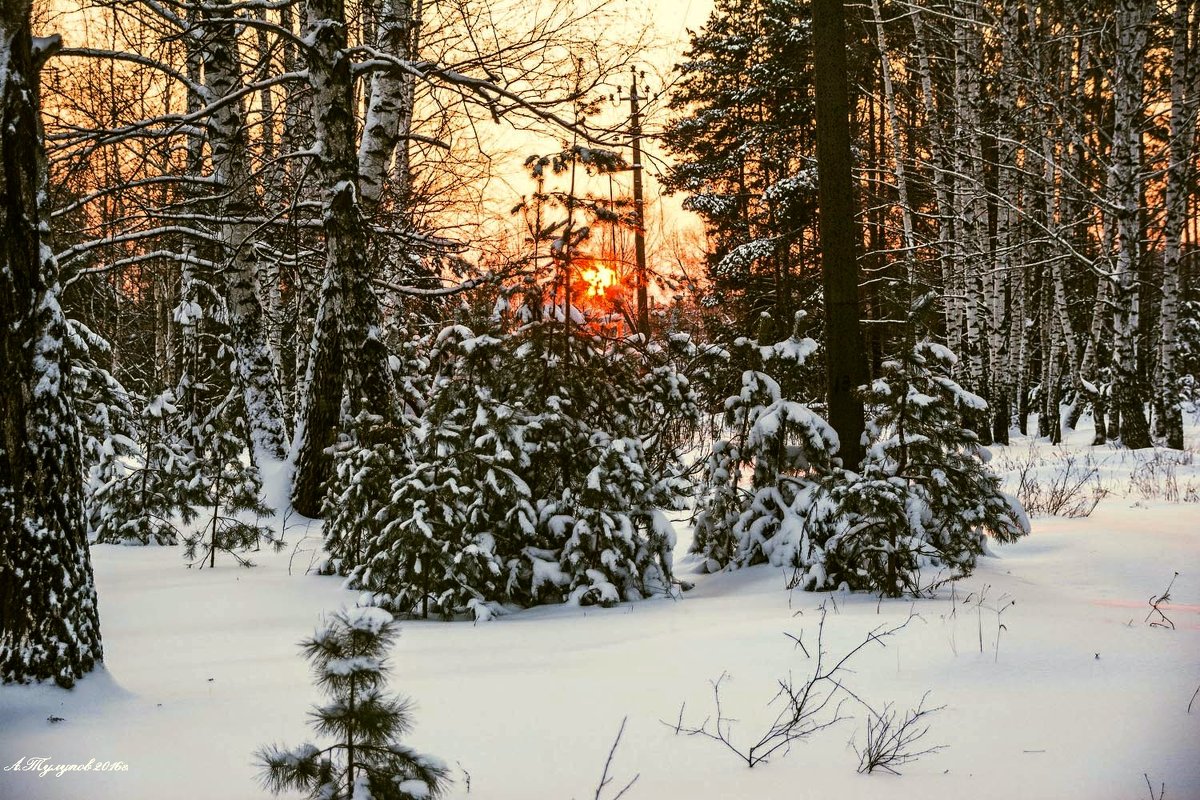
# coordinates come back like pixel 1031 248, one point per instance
pixel 366 758
pixel 231 488
pixel 713 534
pixel 106 415
pixel 365 460
pixel 431 541
pixel 145 487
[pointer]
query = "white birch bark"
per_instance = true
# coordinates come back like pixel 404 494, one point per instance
pixel 389 112
pixel 1183 108
pixel 939 166
pixel 347 371
pixel 232 174
pixel 898 154
pixel 1006 328
pixel 1125 159
pixel 970 212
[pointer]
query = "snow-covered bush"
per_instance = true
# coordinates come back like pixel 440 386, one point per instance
pixel 924 497
pixel 535 473
pixel 107 416
pixel 366 758
pixel 1188 356
pixel 767 477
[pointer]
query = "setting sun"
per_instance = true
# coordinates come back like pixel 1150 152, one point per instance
pixel 599 279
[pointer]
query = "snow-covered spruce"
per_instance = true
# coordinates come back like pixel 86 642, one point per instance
pixel 922 500
pixel 106 414
pixel 918 511
pixel 529 477
pixel 366 758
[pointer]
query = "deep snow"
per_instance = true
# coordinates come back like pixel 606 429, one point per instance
pixel 1080 699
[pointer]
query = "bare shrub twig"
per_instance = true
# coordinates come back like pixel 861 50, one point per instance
pixel 1162 788
pixel 605 780
pixel 894 739
pixel 1163 620
pixel 806 708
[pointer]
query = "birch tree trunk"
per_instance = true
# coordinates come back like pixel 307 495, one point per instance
pixel 898 153
pixel 940 166
pixel 970 212
pixel 348 369
pixel 235 181
pixel 1183 108
pixel 274 182
pixel 389 113
pixel 1006 326
pixel 305 283
pixel 1129 69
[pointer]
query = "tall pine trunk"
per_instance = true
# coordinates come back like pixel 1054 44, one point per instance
pixel 49 627
pixel 845 357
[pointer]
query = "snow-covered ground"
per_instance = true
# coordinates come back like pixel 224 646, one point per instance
pixel 1079 697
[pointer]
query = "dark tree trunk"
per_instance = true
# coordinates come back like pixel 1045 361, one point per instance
pixel 845 357
pixel 1001 416
pixel 49 627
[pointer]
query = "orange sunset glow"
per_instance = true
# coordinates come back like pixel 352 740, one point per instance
pixel 599 277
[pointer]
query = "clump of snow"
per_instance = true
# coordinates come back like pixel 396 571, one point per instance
pixel 366 618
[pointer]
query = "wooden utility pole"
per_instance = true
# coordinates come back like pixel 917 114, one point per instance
pixel 845 357
pixel 639 214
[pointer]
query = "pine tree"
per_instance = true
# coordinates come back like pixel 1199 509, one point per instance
pixel 787 450
pixel 429 541
pixel 106 419
pixel 743 154
pixel 365 460
pixel 1188 356
pixel 924 498
pixel 145 488
pixel 226 478
pixel 366 758
pixel 535 473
